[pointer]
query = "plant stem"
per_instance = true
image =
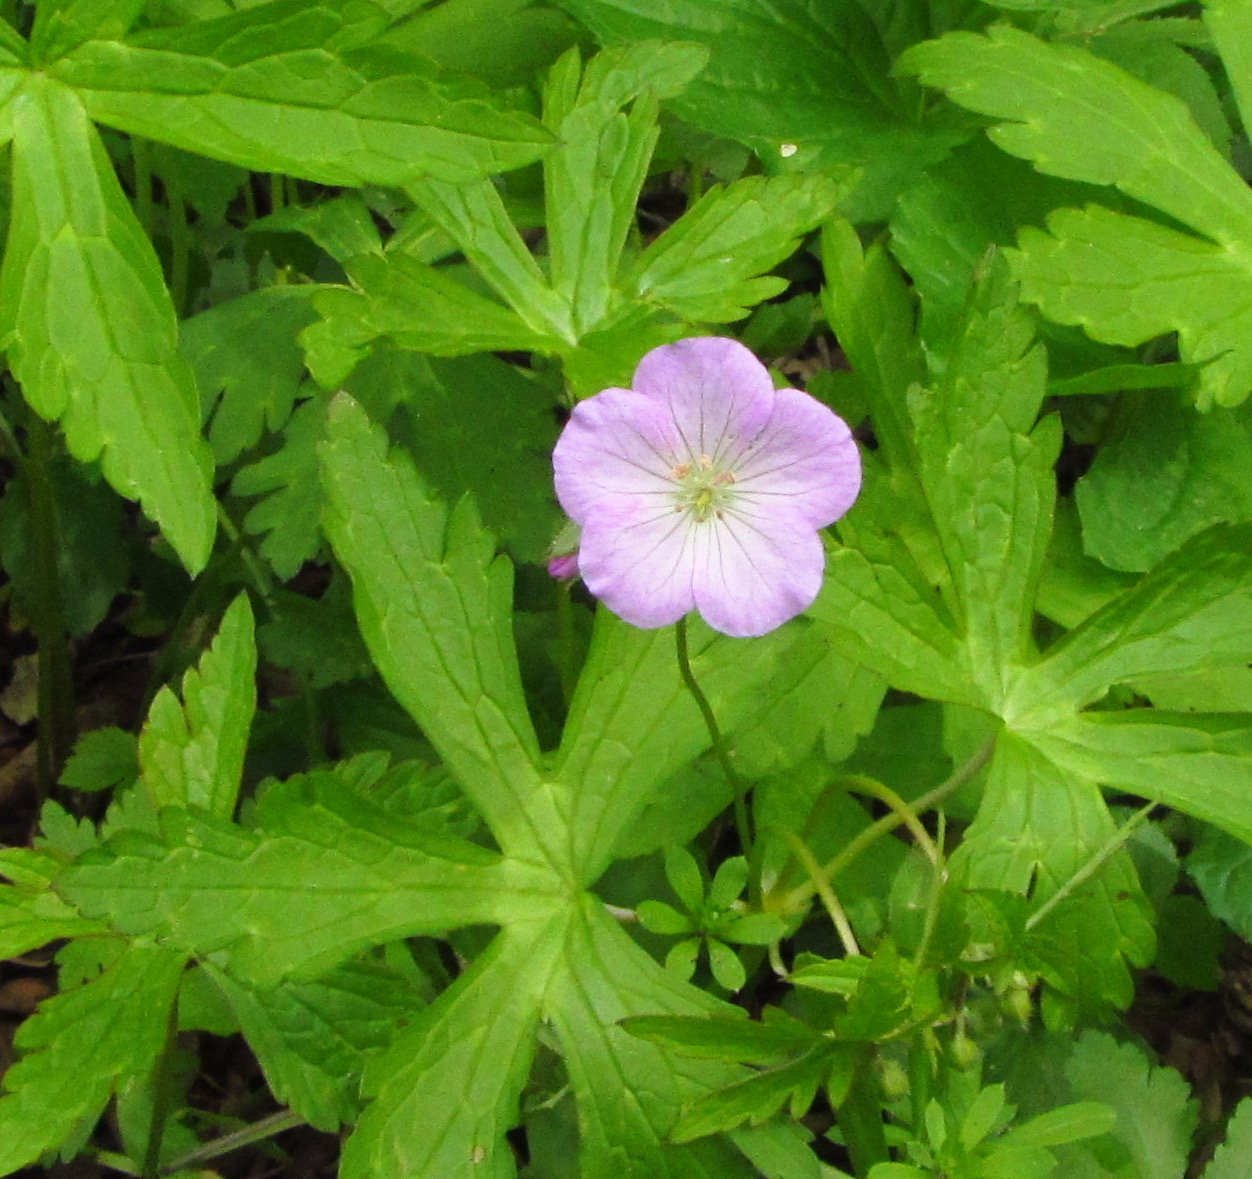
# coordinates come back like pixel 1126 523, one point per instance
pixel 1107 850
pixel 737 784
pixel 838 918
pixel 888 823
pixel 56 684
pixel 285 1119
pixel 160 1098
pixel 860 784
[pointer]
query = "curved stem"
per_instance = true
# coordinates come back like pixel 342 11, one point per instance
pixel 860 784
pixel 821 885
pixel 739 786
pixel 888 823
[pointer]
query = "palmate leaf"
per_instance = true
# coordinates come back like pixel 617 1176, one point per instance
pixel 295 86
pixel 192 755
pixel 62 25
pixel 1123 279
pixel 91 331
pixel 325 874
pixel 79 1048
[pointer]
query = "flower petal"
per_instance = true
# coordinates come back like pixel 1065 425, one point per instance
pixel 752 575
pixel 640 564
pixel 717 394
pixel 611 455
pixel 806 457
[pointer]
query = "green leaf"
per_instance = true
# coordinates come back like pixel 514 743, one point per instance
pixel 312 1039
pixel 295 86
pixel 78 1049
pixel 1194 610
pixel 411 305
pixel 760 1096
pixel 248 364
pixel 1222 868
pixel 93 556
pixel 627 1089
pixel 658 917
pixel 1036 828
pixel 726 1037
pixel 882 614
pixel 1059 1127
pixel 433 602
pixel 592 180
pixel 1123 279
pixel 326 874
pixel 62 25
pixel 91 331
pixel 986 473
pixel 684 877
pixel 707 267
pixel 507 468
pixel 871 310
pixel 632 722
pixel 102 758
pixel 1156 1116
pixel 1230 1159
pixel 1201 765
pixel 474 216
pixel 1164 473
pixel 446 1089
pixel 30 919
pixel 817 78
pixel 192 755
pixel 288 517
pixel 1230 25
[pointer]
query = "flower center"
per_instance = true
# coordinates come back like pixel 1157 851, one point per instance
pixel 704 488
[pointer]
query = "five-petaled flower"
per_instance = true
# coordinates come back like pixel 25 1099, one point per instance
pixel 703 487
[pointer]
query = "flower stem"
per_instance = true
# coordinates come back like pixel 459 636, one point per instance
pixel 860 784
pixel 737 784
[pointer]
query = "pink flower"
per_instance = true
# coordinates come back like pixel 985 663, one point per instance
pixel 703 488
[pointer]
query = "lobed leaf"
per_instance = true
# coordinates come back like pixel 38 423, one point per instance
pixel 296 86
pixel 326 874
pixel 80 1047
pixel 433 603
pixel 446 1089
pixel 708 266
pixel 91 331
pixel 627 1089
pixel 192 755
pixel 1122 278
pixel 312 1039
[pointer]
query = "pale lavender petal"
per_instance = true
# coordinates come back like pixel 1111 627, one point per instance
pixel 750 576
pixel 640 565
pixel 717 393
pixel 611 455
pixel 805 457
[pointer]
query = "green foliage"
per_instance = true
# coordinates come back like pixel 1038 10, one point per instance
pixel 487 924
